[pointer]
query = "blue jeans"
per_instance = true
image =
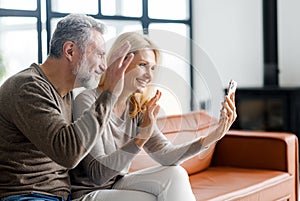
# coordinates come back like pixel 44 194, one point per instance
pixel 32 197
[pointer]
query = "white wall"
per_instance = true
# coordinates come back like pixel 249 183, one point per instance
pixel 230 33
pixel 289 42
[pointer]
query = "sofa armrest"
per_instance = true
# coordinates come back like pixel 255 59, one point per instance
pixel 259 150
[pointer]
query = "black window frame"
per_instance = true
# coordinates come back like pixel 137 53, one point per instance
pixel 144 19
pixel 29 13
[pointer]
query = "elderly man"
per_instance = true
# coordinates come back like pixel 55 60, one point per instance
pixel 39 142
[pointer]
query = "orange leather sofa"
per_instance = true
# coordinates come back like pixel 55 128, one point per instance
pixel 244 165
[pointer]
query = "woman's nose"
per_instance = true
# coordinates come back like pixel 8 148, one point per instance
pixel 148 73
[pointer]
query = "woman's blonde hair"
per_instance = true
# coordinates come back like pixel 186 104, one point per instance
pixel 138 42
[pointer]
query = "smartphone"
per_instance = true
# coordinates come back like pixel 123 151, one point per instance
pixel 231 87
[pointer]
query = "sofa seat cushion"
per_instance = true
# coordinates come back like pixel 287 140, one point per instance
pixel 228 183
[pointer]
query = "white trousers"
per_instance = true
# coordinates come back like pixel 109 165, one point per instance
pixel 163 183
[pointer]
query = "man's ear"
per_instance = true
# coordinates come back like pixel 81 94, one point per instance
pixel 69 50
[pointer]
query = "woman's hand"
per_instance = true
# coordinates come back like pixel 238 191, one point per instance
pixel 149 120
pixel 227 117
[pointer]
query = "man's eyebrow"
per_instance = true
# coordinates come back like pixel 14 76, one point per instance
pixel 101 51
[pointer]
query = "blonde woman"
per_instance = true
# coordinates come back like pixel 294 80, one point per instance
pixel 103 173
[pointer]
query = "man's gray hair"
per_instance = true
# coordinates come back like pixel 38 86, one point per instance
pixel 76 28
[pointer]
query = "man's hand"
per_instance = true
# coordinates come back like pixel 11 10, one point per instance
pixel 114 75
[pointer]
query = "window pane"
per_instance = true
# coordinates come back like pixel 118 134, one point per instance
pixel 167 34
pixel 18 4
pixel 175 66
pixel 178 28
pixel 115 28
pixel 15 52
pixel 53 24
pixel 129 8
pixel 174 83
pixel 168 9
pixel 75 6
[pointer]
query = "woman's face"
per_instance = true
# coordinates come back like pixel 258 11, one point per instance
pixel 140 71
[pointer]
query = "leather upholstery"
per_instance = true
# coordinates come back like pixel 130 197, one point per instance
pixel 244 165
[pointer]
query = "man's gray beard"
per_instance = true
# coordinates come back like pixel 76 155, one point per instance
pixel 82 80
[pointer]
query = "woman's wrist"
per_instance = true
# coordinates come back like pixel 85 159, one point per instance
pixel 139 142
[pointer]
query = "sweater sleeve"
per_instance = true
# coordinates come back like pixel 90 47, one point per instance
pixel 38 115
pixel 166 153
pixel 101 168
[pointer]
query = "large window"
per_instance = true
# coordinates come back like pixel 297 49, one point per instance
pixel 26 28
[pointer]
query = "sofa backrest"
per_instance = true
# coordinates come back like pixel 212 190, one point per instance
pixel 179 129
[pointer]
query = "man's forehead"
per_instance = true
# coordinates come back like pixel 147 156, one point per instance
pixel 98 36
pixel 99 43
pixel 102 47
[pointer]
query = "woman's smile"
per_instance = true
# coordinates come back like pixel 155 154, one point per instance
pixel 142 82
